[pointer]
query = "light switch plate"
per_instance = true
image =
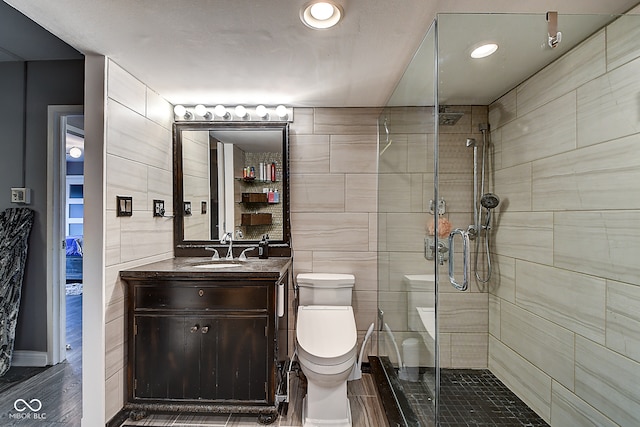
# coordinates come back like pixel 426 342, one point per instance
pixel 158 208
pixel 21 195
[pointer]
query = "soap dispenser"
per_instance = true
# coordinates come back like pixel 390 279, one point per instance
pixel 263 247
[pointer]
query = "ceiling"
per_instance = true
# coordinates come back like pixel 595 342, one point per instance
pixel 250 52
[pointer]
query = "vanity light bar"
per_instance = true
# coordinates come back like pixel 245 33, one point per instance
pixel 220 112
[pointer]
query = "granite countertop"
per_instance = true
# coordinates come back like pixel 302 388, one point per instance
pixel 188 268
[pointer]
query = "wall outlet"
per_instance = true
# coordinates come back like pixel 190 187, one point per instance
pixel 21 195
pixel 158 208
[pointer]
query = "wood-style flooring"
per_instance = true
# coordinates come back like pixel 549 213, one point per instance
pixel 57 391
pixel 366 410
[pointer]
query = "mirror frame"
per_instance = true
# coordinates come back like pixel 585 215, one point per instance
pixel 182 247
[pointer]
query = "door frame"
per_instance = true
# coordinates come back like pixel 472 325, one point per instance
pixel 56 205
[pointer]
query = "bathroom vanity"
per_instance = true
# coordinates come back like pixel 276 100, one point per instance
pixel 205 337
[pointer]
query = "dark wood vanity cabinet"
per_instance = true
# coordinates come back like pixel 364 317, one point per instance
pixel 205 339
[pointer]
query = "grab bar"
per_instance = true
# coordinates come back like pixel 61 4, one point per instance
pixel 465 259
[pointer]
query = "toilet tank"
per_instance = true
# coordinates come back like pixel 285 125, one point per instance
pixel 325 288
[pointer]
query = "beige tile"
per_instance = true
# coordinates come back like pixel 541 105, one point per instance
pixel 195 153
pixel 353 154
pixel 513 186
pixel 114 394
pixel 321 231
pixel 405 231
pixel 578 66
pixel 420 153
pixel 112 238
pixel 142 237
pixel 573 300
pixel 469 351
pixel 114 346
pixel 457 191
pixel 494 316
pixel 608 382
pixel 503 110
pixel 126 178
pixel 126 89
pixel 361 193
pixel 528 382
pixel 410 120
pixel 346 121
pixel 567 409
pixel 623 319
pixel 394 305
pixel 363 265
pixel 159 110
pixel 395 192
pixel 317 193
pixel 618 233
pixel 622 41
pixel 525 235
pixel 454 155
pixel 308 154
pixel 302 122
pixel 302 261
pixel 608 106
pixel 127 129
pixel 394 153
pixel 444 348
pixel 544 344
pixel 548 130
pixel 463 312
pixel 601 176
pixel 503 277
pixel 160 186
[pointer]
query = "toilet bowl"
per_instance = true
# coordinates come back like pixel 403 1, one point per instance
pixel 326 338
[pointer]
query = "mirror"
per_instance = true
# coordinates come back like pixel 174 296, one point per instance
pixel 230 178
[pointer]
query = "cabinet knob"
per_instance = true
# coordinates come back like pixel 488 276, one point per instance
pixel 204 329
pixel 194 328
pixel 200 292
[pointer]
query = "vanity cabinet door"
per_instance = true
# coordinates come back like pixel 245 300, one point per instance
pixel 235 367
pixel 166 359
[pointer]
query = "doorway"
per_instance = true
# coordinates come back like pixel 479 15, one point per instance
pixel 65 234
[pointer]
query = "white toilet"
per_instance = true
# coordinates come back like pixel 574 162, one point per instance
pixel 326 338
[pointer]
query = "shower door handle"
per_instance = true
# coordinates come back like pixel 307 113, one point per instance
pixel 465 259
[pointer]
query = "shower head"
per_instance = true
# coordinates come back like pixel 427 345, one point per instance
pixel 489 201
pixel 471 142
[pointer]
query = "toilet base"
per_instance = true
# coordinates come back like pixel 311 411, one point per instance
pixel 310 422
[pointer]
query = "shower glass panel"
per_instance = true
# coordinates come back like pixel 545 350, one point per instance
pixel 407 334
pixel 556 129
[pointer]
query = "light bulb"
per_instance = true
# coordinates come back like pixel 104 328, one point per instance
pixel 484 50
pixel 75 152
pixel 282 111
pixel 179 110
pixel 220 111
pixel 241 111
pixel 201 110
pixel 321 11
pixel 261 111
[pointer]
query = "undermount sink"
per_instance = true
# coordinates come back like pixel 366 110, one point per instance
pixel 217 265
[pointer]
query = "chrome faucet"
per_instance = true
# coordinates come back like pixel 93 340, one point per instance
pixel 215 255
pixel 228 238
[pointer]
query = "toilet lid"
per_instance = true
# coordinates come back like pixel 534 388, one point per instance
pixel 326 331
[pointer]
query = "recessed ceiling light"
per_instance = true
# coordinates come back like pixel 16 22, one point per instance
pixel 484 50
pixel 321 14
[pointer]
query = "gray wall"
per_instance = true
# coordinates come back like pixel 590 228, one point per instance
pixel 47 83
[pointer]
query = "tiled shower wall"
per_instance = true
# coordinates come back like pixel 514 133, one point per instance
pixel 406 188
pixel 565 307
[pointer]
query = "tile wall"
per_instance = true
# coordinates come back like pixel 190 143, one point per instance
pixel 564 308
pixel 138 163
pixel 333 187
pixel 406 189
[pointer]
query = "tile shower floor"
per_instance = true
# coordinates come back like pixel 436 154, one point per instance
pixel 470 397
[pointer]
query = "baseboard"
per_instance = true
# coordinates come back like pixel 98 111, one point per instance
pixel 29 358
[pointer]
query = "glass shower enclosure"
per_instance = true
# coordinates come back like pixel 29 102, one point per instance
pixel 539 169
